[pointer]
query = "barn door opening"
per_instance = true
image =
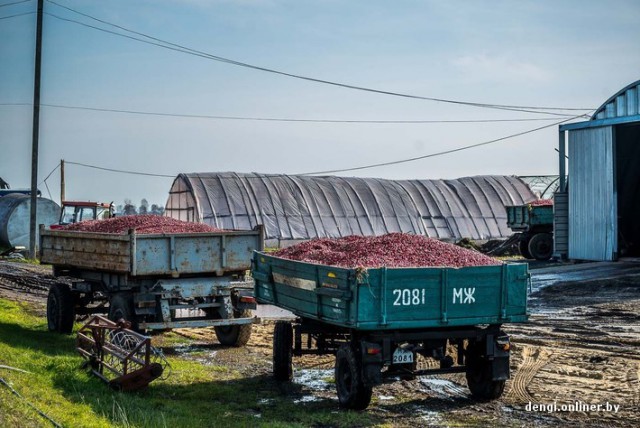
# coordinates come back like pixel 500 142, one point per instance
pixel 627 144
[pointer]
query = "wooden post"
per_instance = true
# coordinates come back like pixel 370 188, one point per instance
pixel 62 184
pixel 35 134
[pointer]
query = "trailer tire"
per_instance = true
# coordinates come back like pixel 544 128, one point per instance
pixel 60 309
pixel 282 351
pixel 121 307
pixel 235 335
pixel 352 392
pixel 479 380
pixel 541 246
pixel 523 246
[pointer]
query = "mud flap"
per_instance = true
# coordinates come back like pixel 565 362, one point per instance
pixel 371 363
pixel 500 358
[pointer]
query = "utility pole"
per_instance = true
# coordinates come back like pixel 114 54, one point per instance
pixel 62 184
pixel 36 133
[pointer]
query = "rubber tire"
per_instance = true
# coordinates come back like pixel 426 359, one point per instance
pixel 479 376
pixel 121 306
pixel 60 309
pixel 352 393
pixel 541 246
pixel 283 351
pixel 523 246
pixel 235 335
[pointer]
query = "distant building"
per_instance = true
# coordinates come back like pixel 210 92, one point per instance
pixel 597 205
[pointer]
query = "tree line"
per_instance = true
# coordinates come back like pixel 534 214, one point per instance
pixel 129 208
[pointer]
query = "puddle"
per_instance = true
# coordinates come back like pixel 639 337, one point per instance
pixel 319 380
pixel 444 387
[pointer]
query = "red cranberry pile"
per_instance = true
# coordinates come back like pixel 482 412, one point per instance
pixel 391 250
pixel 542 203
pixel 143 224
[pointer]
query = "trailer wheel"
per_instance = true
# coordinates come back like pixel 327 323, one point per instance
pixel 282 351
pixel 352 392
pixel 523 246
pixel 541 246
pixel 121 307
pixel 235 335
pixel 479 375
pixel 60 309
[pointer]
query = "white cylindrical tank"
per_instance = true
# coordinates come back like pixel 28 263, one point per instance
pixel 15 212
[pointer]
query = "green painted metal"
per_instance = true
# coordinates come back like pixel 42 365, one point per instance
pixel 394 298
pixel 522 218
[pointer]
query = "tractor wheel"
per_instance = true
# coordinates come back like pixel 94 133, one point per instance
pixel 282 351
pixel 121 307
pixel 352 392
pixel 523 246
pixel 60 309
pixel 541 246
pixel 479 375
pixel 235 335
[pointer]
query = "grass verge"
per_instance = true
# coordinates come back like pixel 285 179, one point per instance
pixel 194 395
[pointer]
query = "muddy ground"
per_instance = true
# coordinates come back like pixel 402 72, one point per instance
pixel 582 344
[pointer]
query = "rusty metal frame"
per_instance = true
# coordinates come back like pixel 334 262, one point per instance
pixel 127 356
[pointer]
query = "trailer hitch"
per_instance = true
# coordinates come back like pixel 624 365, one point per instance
pixel 122 358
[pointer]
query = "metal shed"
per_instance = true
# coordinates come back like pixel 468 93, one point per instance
pixel 597 204
pixel 296 208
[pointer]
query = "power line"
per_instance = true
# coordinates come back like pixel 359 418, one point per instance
pixel 15 2
pixel 16 15
pixel 431 155
pixel 277 119
pixel 52 171
pixel 446 152
pixel 179 48
pixel 119 170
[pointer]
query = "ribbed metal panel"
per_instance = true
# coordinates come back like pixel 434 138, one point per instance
pixel 302 207
pixel 592 195
pixel 560 225
pixel 624 103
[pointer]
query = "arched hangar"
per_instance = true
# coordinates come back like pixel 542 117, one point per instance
pixel 294 207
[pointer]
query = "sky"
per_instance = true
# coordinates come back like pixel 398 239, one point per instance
pixel 560 54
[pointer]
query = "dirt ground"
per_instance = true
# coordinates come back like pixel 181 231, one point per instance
pixel 581 347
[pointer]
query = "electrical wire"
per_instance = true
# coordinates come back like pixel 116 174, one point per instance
pixel 16 15
pixel 52 171
pixel 179 48
pixel 15 2
pixel 446 152
pixel 431 155
pixel 120 170
pixel 278 119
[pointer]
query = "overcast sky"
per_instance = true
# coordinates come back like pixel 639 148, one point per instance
pixel 526 53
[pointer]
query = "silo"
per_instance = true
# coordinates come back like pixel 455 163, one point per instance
pixel 15 211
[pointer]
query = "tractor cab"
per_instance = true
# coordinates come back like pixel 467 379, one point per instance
pixel 76 211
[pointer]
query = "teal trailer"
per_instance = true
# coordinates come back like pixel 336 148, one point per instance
pixel 534 226
pixel 378 321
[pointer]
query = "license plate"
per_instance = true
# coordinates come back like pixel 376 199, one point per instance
pixel 400 356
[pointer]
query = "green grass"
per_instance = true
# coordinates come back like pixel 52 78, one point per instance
pixel 193 395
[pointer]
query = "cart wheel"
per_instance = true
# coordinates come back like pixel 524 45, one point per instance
pixel 479 375
pixel 523 246
pixel 235 335
pixel 352 393
pixel 282 351
pixel 121 307
pixel 541 246
pixel 60 309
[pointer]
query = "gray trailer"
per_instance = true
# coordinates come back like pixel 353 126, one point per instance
pixel 155 281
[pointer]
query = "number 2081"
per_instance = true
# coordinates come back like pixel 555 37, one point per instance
pixel 409 296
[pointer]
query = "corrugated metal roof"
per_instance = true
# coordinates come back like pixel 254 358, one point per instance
pixel 302 207
pixel 625 103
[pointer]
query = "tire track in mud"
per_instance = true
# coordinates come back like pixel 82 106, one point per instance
pixel 533 359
